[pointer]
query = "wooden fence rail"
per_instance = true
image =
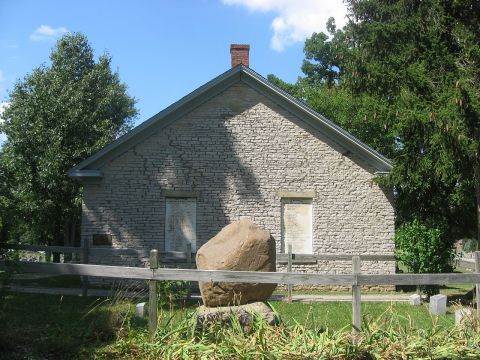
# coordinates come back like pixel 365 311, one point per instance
pixel 167 256
pixel 153 273
pixel 244 276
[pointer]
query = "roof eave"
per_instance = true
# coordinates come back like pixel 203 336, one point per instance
pixel 380 162
pixel 85 174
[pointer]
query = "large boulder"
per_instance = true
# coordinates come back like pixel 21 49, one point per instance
pixel 241 246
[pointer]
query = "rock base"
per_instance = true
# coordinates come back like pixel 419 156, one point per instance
pixel 245 314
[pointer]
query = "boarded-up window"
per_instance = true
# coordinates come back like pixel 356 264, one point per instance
pixel 297 225
pixel 180 224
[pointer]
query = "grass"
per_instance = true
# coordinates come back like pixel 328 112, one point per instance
pixel 57 327
pixel 46 326
pixel 337 315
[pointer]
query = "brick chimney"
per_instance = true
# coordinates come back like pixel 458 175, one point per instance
pixel 239 54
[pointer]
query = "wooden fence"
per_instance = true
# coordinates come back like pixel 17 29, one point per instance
pixel 186 257
pixel 173 256
pixel 154 273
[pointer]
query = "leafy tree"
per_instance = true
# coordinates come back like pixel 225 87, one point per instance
pixel 403 76
pixel 58 115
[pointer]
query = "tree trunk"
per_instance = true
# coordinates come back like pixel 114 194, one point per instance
pixel 476 179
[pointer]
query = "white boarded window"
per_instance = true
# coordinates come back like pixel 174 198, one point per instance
pixel 180 224
pixel 297 225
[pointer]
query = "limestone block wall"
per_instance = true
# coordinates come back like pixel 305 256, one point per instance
pixel 237 151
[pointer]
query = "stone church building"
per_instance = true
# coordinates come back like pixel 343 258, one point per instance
pixel 238 147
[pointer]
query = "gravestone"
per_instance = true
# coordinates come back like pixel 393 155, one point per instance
pixel 141 309
pixel 438 304
pixel 415 300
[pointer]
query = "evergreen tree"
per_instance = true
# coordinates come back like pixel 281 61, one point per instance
pixel 403 76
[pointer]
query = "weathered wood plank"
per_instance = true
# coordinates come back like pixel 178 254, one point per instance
pixel 314 258
pixel 356 299
pixel 107 251
pixel 188 254
pixel 253 277
pixel 247 276
pixel 418 279
pixel 85 270
pixel 184 274
pixel 175 255
pixel 61 249
pixel 289 269
pixel 152 296
pixel 168 256
pixel 85 256
pixel 377 258
pixel 477 286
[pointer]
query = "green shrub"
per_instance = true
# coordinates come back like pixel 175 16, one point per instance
pixel 424 248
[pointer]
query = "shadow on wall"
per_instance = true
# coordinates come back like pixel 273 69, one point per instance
pixel 204 154
pixel 198 152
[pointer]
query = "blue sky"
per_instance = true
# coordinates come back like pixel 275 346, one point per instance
pixel 163 49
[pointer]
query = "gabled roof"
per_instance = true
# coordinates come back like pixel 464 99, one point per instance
pixel 89 168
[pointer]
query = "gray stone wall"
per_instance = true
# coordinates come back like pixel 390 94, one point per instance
pixel 238 150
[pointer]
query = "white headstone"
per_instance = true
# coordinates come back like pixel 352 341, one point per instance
pixel 463 315
pixel 415 299
pixel 438 304
pixel 141 309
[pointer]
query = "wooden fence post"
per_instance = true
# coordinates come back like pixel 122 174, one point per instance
pixel 477 287
pixel 289 269
pixel 356 298
pixel 85 261
pixel 189 263
pixel 152 296
pixel 189 253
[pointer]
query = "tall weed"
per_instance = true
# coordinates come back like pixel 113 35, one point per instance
pixel 387 337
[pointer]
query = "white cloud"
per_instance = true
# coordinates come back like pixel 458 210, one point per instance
pixel 46 33
pixel 296 19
